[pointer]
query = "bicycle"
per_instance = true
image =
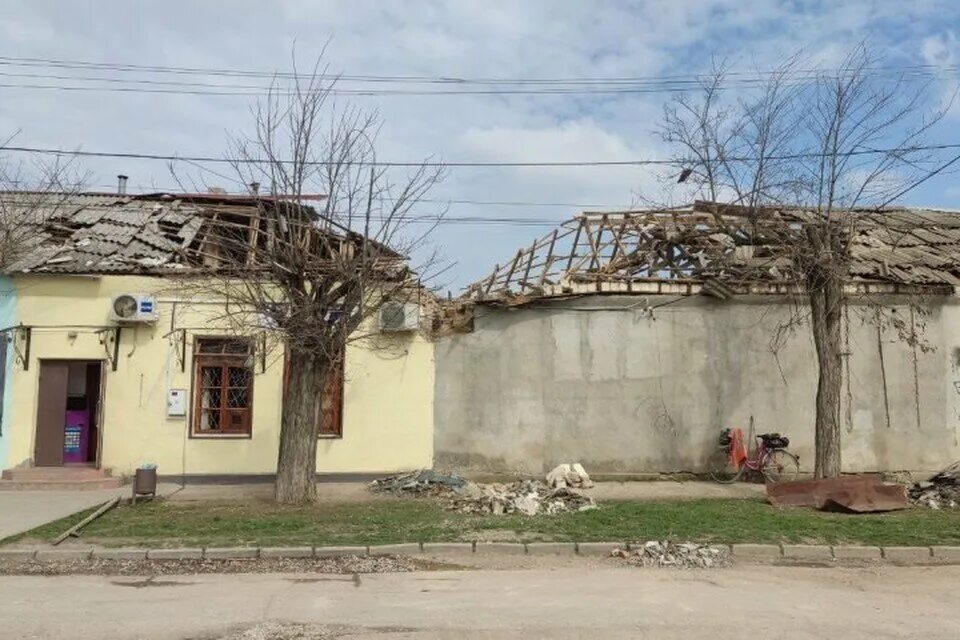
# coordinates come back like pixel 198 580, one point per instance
pixel 770 457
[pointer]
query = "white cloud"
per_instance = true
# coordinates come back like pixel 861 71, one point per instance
pixel 496 38
pixel 941 49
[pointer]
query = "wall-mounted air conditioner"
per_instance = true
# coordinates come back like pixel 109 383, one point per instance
pixel 399 316
pixel 133 307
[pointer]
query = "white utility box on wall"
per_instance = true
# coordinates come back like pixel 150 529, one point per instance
pixel 177 403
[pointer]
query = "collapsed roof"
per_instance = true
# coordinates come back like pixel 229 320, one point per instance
pixel 155 234
pixel 717 249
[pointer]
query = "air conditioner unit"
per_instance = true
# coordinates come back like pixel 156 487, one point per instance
pixel 399 316
pixel 133 307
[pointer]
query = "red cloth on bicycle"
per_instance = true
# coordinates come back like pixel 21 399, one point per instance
pixel 738 448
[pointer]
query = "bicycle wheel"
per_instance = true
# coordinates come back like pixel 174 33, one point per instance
pixel 720 468
pixel 781 466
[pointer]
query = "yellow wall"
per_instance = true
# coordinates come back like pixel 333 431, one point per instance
pixel 388 402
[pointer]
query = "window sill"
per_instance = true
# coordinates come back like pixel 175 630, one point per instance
pixel 330 436
pixel 221 436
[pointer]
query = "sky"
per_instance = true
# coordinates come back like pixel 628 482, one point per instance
pixel 450 39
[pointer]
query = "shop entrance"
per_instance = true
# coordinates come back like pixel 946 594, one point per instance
pixel 68 413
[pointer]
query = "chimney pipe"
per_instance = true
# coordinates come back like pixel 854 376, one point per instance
pixel 254 188
pixel 121 184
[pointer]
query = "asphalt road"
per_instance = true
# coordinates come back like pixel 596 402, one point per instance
pixel 561 603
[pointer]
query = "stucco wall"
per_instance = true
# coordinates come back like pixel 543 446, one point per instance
pixel 621 391
pixel 387 403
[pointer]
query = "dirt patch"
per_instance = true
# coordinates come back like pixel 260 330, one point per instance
pixel 350 565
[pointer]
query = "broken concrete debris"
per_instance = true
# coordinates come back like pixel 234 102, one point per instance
pixel 526 497
pixel 941 491
pixel 425 480
pixel 657 553
pixel 569 475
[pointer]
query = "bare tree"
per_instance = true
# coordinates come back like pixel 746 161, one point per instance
pixel 30 193
pixel 835 148
pixel 327 247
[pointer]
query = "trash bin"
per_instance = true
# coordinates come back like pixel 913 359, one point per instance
pixel 145 481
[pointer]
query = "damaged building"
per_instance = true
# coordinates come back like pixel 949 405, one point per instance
pixel 111 362
pixel 627 340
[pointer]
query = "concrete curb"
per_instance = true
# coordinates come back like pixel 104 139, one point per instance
pixel 808 551
pixel 231 553
pixel 286 552
pixel 910 555
pixel 119 554
pixel 174 554
pixel 760 553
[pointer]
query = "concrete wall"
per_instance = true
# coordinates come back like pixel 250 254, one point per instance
pixel 596 381
pixel 388 406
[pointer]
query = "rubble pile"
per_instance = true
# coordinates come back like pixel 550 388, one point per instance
pixel 526 497
pixel 942 491
pixel 656 553
pixel 417 482
pixel 569 475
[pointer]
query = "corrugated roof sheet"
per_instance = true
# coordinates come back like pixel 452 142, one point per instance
pixel 93 233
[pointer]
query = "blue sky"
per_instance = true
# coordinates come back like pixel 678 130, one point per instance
pixel 526 38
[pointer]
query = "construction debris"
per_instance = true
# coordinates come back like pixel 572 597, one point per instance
pixel 942 491
pixel 527 497
pixel 456 493
pixel 569 475
pixel 717 250
pixel 74 531
pixel 656 553
pixel 423 481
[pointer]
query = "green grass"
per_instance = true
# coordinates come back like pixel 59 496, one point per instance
pixel 410 520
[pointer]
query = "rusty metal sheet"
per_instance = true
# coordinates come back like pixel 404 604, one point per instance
pixel 861 493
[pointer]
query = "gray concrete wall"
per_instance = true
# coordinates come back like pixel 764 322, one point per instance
pixel 599 381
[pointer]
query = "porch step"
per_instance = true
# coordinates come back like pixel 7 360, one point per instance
pixel 57 479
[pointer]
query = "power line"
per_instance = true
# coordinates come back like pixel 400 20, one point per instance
pixel 223 160
pixel 529 86
pixel 441 79
pixel 430 163
pixel 147 189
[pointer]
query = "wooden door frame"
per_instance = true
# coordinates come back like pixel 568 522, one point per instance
pixel 100 402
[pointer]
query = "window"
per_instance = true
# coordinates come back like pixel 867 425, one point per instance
pixel 223 387
pixel 331 405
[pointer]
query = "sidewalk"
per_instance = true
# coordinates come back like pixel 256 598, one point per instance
pixel 25 510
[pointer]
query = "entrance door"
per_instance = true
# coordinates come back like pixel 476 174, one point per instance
pixel 51 408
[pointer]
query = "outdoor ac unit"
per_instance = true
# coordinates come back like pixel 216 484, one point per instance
pixel 133 307
pixel 399 316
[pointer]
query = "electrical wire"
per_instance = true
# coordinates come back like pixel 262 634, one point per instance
pixel 430 163
pixel 807 73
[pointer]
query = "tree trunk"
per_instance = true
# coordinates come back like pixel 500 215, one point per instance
pixel 297 460
pixel 826 308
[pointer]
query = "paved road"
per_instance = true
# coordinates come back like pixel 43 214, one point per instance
pixel 560 604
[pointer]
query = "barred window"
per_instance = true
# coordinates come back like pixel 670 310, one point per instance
pixel 331 404
pixel 223 386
